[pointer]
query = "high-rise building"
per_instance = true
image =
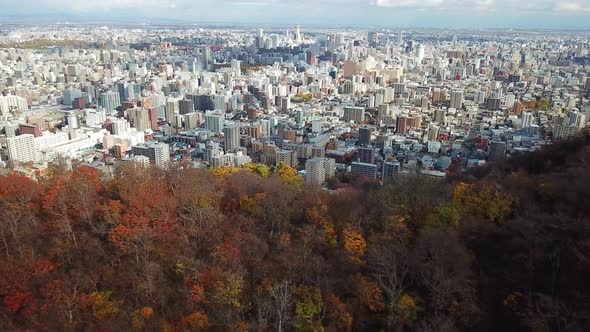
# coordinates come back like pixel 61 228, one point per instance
pixel 141 118
pixel 120 126
pixel 420 53
pixel 364 169
pixel 110 100
pixel 231 137
pixel 214 121
pixel 287 157
pixel 123 91
pixel 433 133
pixel 364 136
pixel 366 154
pixel 158 153
pixel 577 119
pixel 373 38
pixel 497 150
pixel 456 99
pixel 206 55
pixel 171 108
pixel 435 95
pixel 493 103
pixel 26 128
pixel 191 120
pixel 21 148
pixel 390 169
pixel 526 120
pixel 401 125
pixel 153 118
pixel 298 34
pixel 439 115
pixel 285 104
pixel 318 170
pixel 186 106
pixel 355 114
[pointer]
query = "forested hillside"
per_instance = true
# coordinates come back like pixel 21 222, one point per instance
pixel 501 248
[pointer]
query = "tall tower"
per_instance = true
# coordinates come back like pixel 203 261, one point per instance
pixel 297 34
pixel 456 99
pixel 231 137
pixel 206 57
pixel 420 53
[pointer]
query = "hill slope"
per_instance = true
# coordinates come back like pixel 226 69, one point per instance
pixel 505 247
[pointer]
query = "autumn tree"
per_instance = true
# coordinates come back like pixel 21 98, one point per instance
pixel 389 262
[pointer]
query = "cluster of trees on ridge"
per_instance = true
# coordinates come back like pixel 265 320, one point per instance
pixel 503 247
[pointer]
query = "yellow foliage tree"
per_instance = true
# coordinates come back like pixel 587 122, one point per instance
pixel 490 203
pixel 229 291
pixel 407 308
pixel 355 244
pixel 248 205
pixel 223 171
pixel 317 217
pixel 102 305
pixel 259 169
pixel 288 175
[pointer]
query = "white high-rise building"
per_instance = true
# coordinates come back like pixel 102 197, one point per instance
pixel 577 119
pixel 158 153
pixel 297 34
pixel 214 121
pixel 21 148
pixel 526 120
pixel 120 126
pixel 171 109
pixel 419 53
pixel 12 103
pixel 318 170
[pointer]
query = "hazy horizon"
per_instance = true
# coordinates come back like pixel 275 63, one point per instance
pixel 538 14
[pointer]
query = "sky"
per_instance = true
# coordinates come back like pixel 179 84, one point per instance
pixel 549 14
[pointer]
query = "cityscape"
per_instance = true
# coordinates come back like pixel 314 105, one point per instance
pixel 165 175
pixel 371 103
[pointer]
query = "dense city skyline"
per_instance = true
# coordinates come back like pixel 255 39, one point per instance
pixel 538 14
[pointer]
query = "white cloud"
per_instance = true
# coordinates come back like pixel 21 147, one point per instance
pixel 509 6
pixel 569 6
